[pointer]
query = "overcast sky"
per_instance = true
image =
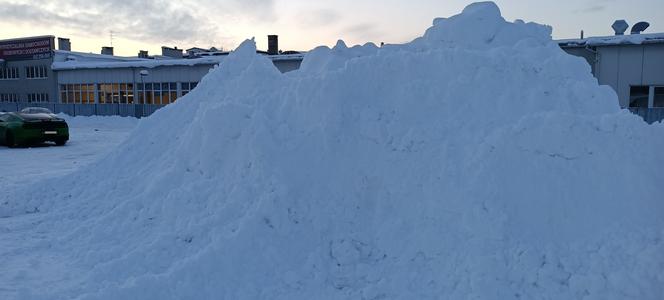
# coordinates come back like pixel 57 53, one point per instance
pixel 301 24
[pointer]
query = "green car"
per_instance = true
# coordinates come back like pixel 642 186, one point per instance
pixel 25 128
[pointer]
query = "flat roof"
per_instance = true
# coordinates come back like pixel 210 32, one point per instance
pixel 154 63
pixel 630 39
pixel 65 55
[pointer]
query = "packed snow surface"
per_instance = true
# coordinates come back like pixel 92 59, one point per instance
pixel 90 139
pixel 477 162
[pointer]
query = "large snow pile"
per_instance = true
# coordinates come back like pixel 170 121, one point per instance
pixel 477 162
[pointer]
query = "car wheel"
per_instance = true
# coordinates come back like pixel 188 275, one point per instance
pixel 60 142
pixel 9 140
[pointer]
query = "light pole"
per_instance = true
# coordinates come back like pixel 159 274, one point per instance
pixel 143 73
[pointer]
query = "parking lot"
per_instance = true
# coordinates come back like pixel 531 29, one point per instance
pixel 91 138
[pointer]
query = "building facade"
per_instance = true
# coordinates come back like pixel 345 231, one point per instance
pixel 25 70
pixel 633 65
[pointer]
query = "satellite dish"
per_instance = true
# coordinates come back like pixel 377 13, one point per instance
pixel 639 27
pixel 620 26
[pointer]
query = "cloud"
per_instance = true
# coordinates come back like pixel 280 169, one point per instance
pixel 250 10
pixel 318 18
pixel 595 6
pixel 262 9
pixel 158 21
pixel 592 9
pixel 365 31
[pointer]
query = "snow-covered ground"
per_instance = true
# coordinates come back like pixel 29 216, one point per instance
pixel 91 138
pixel 478 161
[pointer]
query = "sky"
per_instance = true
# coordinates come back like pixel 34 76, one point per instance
pixel 300 24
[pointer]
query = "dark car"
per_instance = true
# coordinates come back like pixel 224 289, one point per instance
pixel 18 129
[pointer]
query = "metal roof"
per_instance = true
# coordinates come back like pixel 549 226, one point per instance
pixel 632 39
pixel 154 63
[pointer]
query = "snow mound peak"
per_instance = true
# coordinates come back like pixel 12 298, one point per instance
pixel 481 26
pixel 482 10
pixel 477 162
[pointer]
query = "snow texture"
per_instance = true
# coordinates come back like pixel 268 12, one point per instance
pixel 477 162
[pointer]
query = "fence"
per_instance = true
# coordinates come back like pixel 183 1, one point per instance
pixel 111 109
pixel 650 115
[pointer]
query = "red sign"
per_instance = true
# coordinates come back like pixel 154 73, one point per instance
pixel 27 49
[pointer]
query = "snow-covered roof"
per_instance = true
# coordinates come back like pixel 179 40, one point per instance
pixel 196 49
pixel 62 56
pixel 282 57
pixel 153 63
pixel 632 39
pixel 146 63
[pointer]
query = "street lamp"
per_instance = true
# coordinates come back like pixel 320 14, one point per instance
pixel 143 73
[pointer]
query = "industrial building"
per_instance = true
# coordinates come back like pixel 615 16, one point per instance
pixel 103 84
pixel 633 65
pixel 26 73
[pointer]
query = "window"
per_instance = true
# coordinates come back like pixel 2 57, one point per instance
pixel 187 87
pixel 77 93
pixel 9 73
pixel 119 93
pixel 36 72
pixel 9 98
pixel 38 97
pixel 638 96
pixel 157 93
pixel 659 97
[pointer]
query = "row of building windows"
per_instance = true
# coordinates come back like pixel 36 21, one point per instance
pixel 31 72
pixel 9 98
pixel 123 93
pixel 36 72
pixel 157 93
pixel 116 93
pixel 639 96
pixel 9 73
pixel 33 97
pixel 77 93
pixel 38 97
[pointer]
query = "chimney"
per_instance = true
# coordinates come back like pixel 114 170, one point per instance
pixel 273 44
pixel 171 52
pixel 107 50
pixel 143 54
pixel 64 44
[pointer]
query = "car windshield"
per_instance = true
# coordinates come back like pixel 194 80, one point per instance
pixel 36 110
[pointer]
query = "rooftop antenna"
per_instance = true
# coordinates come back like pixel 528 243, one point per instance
pixel 111 35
